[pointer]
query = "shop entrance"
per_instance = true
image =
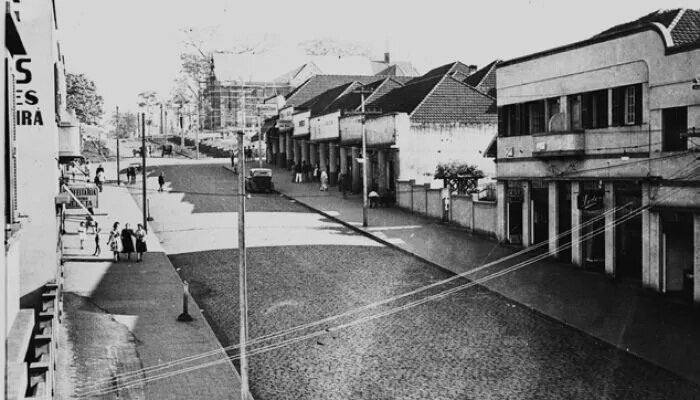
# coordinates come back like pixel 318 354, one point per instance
pixel 540 212
pixel 590 203
pixel 628 235
pixel 677 258
pixel 564 242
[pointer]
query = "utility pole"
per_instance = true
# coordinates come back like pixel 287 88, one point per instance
pixel 260 133
pixel 143 168
pixel 364 164
pixel 245 125
pixel 199 121
pixel 117 135
pixel 242 280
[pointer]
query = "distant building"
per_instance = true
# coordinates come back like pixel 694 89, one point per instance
pixel 593 130
pixel 273 74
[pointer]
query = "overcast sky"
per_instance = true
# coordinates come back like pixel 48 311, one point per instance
pixel 129 46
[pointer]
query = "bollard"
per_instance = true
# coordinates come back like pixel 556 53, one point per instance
pixel 185 316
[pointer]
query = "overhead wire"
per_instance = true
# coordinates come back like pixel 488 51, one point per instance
pixel 400 296
pixel 374 316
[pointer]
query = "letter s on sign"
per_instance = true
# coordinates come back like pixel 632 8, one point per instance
pixel 23 70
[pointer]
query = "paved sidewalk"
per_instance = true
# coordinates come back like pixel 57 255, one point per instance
pixel 624 316
pixel 121 317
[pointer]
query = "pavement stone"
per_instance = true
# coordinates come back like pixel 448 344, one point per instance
pixel 121 317
pixel 635 321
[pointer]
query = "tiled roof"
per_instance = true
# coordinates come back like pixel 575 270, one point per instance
pixel 406 98
pixel 319 103
pixel 453 101
pixel 394 68
pixel 484 79
pixel 687 29
pixel 684 24
pixel 318 84
pixel 352 100
pixel 451 68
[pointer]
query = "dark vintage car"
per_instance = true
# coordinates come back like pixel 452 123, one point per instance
pixel 259 180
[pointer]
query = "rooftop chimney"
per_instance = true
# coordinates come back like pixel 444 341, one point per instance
pixel 472 68
pixel 387 58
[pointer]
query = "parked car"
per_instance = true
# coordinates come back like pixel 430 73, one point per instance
pixel 259 180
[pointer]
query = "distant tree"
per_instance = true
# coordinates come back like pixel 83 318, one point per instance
pixel 330 47
pixel 125 125
pixel 81 96
pixel 459 177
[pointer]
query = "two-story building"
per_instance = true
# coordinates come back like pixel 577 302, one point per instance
pixel 596 157
pixel 36 136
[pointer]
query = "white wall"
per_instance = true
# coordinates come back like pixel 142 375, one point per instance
pixel 37 144
pixel 325 127
pixel 423 146
pixel 301 123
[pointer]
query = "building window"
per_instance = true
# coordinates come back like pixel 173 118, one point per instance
pixel 552 109
pixel 595 109
pixel 535 112
pixel 629 105
pixel 575 112
pixel 674 125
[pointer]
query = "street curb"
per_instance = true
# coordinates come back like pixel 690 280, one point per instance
pixel 531 309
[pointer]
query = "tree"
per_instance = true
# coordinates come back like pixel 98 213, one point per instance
pixel 125 125
pixel 330 47
pixel 459 177
pixel 81 96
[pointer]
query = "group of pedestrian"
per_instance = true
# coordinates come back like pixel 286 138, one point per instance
pixel 127 241
pixel 248 153
pixel 305 172
pixel 100 177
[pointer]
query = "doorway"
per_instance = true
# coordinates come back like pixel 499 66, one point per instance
pixel 540 212
pixel 628 235
pixel 678 248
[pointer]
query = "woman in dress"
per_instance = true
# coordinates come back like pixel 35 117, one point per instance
pixel 127 241
pixel 113 241
pixel 324 180
pixel 140 243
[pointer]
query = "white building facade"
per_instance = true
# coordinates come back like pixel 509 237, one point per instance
pixel 596 137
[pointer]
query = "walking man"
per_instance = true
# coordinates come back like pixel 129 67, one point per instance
pixel 161 181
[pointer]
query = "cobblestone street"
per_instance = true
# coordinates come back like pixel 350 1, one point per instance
pixel 470 345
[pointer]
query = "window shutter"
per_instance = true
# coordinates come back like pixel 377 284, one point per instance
pixel 517 131
pixel 638 104
pixel 501 122
pixel 586 112
pixel 602 109
pixel 617 105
